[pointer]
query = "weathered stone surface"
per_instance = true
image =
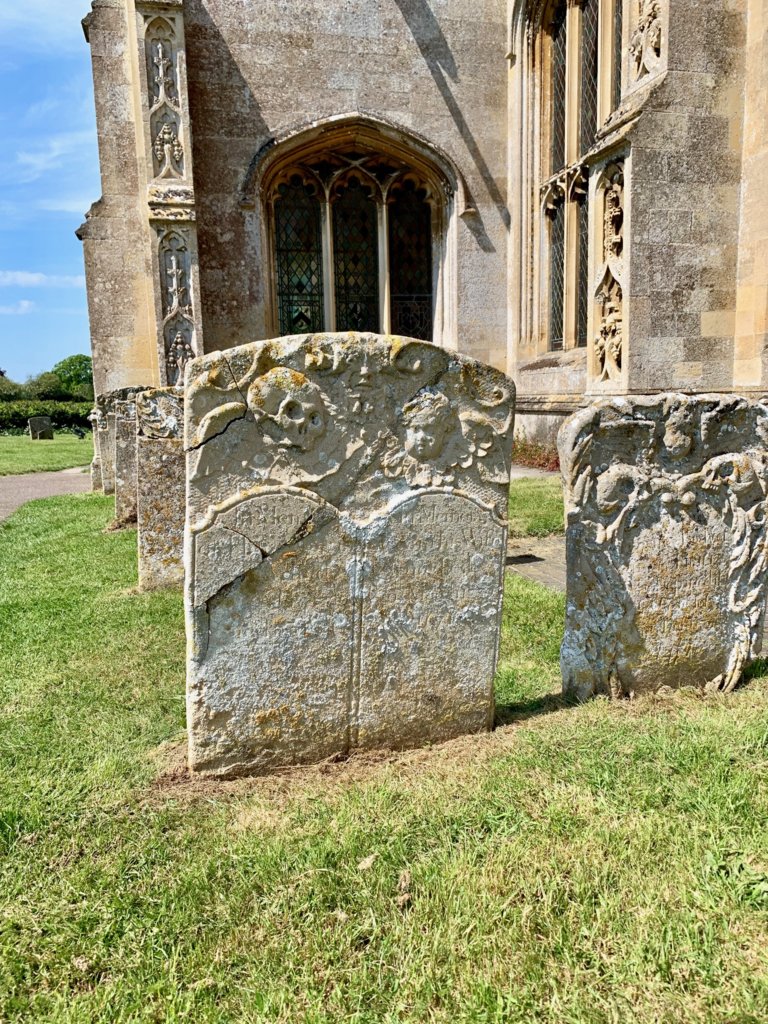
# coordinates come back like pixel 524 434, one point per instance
pixel 125 462
pixel 40 428
pixel 345 546
pixel 97 482
pixel 161 484
pixel 103 417
pixel 666 542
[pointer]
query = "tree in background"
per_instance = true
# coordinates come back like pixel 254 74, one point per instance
pixel 76 374
pixel 48 387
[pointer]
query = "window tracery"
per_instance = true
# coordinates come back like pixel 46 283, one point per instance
pixel 352 242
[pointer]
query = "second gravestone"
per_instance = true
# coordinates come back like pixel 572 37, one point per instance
pixel 666 544
pixel 345 547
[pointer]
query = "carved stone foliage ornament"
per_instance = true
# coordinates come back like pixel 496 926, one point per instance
pixel 646 42
pixel 165 117
pixel 346 514
pixel 667 547
pixel 609 340
pixel 178 330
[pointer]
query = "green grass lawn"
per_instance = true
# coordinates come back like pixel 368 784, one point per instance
pixel 601 864
pixel 535 507
pixel 20 454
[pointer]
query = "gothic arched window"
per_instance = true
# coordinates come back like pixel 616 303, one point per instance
pixel 581 61
pixel 352 237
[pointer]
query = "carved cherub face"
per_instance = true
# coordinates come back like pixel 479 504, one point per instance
pixel 427 422
pixel 289 407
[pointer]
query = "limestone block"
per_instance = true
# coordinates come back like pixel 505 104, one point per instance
pixel 666 542
pixel 160 490
pixel 125 462
pixel 97 481
pixel 344 547
pixel 40 428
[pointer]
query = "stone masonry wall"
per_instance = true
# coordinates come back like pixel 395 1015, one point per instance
pixel 683 207
pixel 256 72
pixel 116 250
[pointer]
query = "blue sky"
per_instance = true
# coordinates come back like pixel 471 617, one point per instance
pixel 48 178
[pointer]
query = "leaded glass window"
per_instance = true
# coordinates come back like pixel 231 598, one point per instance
pixel 353 227
pixel 589 55
pixel 410 262
pixel 298 250
pixel 580 51
pixel 618 21
pixel 582 310
pixel 355 257
pixel 556 276
pixel 559 83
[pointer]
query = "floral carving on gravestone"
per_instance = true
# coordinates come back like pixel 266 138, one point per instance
pixel 667 548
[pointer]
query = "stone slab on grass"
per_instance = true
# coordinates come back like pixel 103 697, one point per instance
pixel 161 488
pixel 665 544
pixel 345 543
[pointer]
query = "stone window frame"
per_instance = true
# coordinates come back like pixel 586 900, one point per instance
pixel 420 160
pixel 537 186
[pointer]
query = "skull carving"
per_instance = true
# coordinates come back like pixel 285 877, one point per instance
pixel 289 408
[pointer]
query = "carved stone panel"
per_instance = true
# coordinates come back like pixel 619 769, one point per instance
pixel 346 522
pixel 666 543
pixel 161 46
pixel 645 46
pixel 609 354
pixel 178 327
pixel 160 490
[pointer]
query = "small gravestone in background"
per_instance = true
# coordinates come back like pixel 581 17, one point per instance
pixel 97 482
pixel 104 435
pixel 346 533
pixel 161 484
pixel 666 542
pixel 125 462
pixel 41 428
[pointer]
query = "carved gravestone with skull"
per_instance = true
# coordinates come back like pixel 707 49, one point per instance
pixel 666 542
pixel 161 485
pixel 344 547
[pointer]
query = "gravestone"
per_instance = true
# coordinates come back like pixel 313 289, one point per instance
pixel 666 543
pixel 125 462
pixel 344 550
pixel 40 428
pixel 105 433
pixel 97 482
pixel 161 487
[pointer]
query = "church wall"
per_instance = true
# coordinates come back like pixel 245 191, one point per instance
pixel 117 256
pixel 255 72
pixel 751 343
pixel 685 185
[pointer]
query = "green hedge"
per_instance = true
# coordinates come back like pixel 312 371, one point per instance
pixel 64 415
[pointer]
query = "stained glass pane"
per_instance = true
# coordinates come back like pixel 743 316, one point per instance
pixel 410 263
pixel 558 88
pixel 355 259
pixel 589 43
pixel 556 277
pixel 582 312
pixel 618 17
pixel 298 250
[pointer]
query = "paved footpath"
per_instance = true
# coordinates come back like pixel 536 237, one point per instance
pixel 541 559
pixel 15 490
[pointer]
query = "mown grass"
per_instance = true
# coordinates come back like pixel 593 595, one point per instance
pixel 20 454
pixel 536 507
pixel 599 864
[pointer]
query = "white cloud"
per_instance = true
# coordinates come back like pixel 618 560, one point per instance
pixel 18 308
pixel 34 163
pixel 64 205
pixel 32 279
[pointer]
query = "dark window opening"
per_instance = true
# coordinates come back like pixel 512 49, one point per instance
pixel 298 245
pixel 558 88
pixel 556 277
pixel 589 50
pixel 582 316
pixel 410 263
pixel 355 258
